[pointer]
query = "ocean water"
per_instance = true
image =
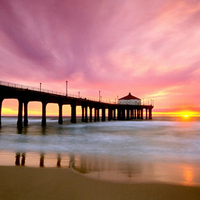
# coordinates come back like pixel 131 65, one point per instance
pixel 160 150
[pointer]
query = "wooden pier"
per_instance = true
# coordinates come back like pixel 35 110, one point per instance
pixel 109 111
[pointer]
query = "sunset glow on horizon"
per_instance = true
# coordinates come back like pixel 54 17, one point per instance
pixel 148 48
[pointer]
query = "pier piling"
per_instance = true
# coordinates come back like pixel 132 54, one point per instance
pixel 25 113
pixel 73 112
pixel 60 119
pixel 19 121
pixel 44 113
pixel 1 100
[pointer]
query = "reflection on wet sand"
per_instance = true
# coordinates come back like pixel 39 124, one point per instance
pixel 42 160
pixel 17 160
pixel 49 159
pixel 189 175
pixel 107 169
pixel 59 160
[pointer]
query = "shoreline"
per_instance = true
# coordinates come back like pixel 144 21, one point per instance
pixel 18 182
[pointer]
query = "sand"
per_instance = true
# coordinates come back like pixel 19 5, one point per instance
pixel 27 183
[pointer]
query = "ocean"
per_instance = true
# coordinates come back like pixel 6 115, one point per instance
pixel 165 149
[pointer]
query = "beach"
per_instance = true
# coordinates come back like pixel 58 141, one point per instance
pixel 53 183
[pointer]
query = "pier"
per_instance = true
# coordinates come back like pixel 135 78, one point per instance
pixel 109 111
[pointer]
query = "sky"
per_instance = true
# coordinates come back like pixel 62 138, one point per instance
pixel 148 48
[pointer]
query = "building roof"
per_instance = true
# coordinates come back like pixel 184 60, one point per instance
pixel 128 97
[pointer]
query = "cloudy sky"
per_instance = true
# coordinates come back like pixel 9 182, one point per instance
pixel 148 48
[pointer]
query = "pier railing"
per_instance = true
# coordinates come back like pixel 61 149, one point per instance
pixel 18 86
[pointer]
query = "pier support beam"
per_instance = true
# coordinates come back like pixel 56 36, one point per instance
pixel 83 114
pixel 60 118
pixel 132 114
pixel 109 114
pixel 146 113
pixel 128 111
pixel 44 104
pixel 1 100
pixel 73 112
pixel 25 113
pixel 19 121
pixel 86 115
pixel 142 113
pixel 98 119
pixel 103 115
pixel 95 114
pixel 123 114
pixel 90 113
pixel 114 114
pixel 138 114
pixel 150 113
pixel 118 114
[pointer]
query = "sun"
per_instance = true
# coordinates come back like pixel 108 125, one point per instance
pixel 185 116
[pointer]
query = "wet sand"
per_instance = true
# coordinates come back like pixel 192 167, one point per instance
pixel 58 183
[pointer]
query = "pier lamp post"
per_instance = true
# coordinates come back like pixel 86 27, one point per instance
pixel 66 88
pixel 40 86
pixel 99 96
pixel 78 94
